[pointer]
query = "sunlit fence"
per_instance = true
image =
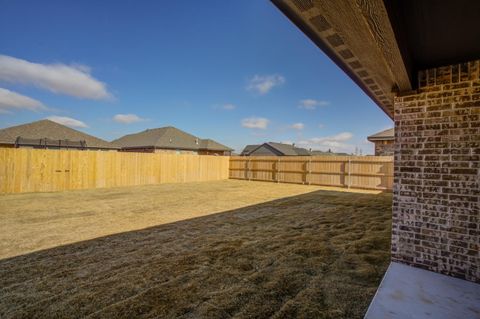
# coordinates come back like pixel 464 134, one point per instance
pixel 33 170
pixel 369 172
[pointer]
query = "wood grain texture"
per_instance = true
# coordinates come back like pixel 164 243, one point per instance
pixel 368 172
pixel 32 170
pixel 376 15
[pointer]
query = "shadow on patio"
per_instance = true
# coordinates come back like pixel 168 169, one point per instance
pixel 315 255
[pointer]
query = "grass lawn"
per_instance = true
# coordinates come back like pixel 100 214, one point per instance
pixel 200 250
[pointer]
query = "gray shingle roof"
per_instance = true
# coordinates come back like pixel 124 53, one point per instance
pixel 322 153
pixel 249 148
pixel 289 149
pixel 168 137
pixel 383 135
pixel 51 130
pixel 284 149
pixel 208 144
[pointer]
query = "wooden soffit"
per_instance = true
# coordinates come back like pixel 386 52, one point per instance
pixel 358 37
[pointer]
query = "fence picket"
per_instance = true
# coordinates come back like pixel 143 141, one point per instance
pixel 35 170
pixel 369 172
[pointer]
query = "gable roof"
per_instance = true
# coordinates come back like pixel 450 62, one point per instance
pixel 249 148
pixel 289 149
pixel 283 149
pixel 168 137
pixel 209 144
pixel 385 135
pixel 51 130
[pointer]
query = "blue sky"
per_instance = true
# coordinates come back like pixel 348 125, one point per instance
pixel 236 71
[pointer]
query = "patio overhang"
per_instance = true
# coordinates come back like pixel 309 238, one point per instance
pixel 419 60
pixel 382 45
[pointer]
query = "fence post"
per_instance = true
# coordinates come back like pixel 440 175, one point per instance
pixel 308 171
pixel 278 170
pixel 349 176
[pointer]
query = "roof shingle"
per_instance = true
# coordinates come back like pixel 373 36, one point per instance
pixel 51 130
pixel 383 135
pixel 168 137
pixel 284 149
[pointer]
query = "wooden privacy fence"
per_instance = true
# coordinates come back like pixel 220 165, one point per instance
pixel 369 172
pixel 32 170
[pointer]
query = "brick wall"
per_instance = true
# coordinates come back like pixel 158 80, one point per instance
pixel 384 148
pixel 436 202
pixel 173 151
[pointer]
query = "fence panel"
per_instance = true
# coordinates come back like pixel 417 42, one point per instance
pixel 369 172
pixel 32 170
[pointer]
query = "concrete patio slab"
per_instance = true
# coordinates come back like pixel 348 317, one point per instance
pixel 409 292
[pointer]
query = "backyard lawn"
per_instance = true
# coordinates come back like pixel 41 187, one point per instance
pixel 198 250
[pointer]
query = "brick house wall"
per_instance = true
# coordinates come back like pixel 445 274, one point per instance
pixel 436 202
pixel 211 152
pixel 384 148
pixel 139 150
pixel 175 151
pixel 158 150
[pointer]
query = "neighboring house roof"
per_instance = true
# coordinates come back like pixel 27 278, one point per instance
pixel 249 148
pixel 168 137
pixel 46 129
pixel 322 153
pixel 289 149
pixel 383 135
pixel 208 144
pixel 281 148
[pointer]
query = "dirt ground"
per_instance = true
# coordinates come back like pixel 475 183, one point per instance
pixel 200 250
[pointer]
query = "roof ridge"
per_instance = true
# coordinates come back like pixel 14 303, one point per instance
pixel 163 131
pixel 45 127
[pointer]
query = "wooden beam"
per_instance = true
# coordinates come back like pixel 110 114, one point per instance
pixel 358 37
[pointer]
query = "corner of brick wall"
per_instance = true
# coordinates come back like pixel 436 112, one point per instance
pixel 436 195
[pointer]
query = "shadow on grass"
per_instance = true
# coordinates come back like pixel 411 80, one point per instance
pixel 316 255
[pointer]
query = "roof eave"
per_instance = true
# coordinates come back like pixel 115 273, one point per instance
pixel 373 139
pixel 380 82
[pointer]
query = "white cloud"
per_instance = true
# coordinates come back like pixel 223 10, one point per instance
pixel 297 126
pixel 321 125
pixel 229 107
pixel 255 122
pixel 337 143
pixel 127 118
pixel 68 121
pixel 73 80
pixel 262 84
pixel 311 104
pixel 12 100
pixel 225 107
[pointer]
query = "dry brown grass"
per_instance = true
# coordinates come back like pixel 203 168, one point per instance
pixel 316 254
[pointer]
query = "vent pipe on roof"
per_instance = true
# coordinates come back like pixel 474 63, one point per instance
pixel 196 141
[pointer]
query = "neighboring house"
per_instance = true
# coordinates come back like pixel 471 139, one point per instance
pixel 274 149
pixel 327 153
pixel 383 141
pixel 50 135
pixel 170 139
